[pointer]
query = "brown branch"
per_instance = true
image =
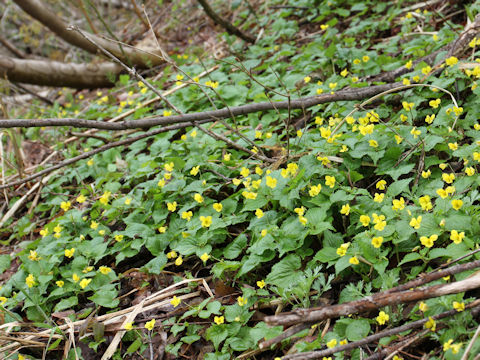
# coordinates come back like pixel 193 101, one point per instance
pixel 232 30
pixel 12 48
pixel 212 115
pixel 41 12
pixel 375 337
pixel 373 302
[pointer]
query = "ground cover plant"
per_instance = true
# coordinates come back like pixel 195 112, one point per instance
pixel 344 225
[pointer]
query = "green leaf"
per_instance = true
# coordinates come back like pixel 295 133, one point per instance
pixel 156 265
pixel 236 247
pixel 105 298
pixel 357 330
pixel 4 262
pixel 66 303
pixel 285 272
pixel 216 334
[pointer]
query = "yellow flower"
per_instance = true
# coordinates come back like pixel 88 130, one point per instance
pixel 194 132
pixel 354 260
pixel 365 58
pixel 447 345
pixel 425 203
pixel 104 270
pixel 128 201
pixel 381 185
pixel 179 261
pixel 429 118
pixel 219 320
pixel 344 72
pixel 167 112
pixel 44 232
pixel 342 250
pixel 105 197
pixel 324 160
pixel 271 182
pixel 415 222
pixel 175 301
pixel 161 183
pixel 206 221
pixel 406 81
pixel 332 85
pixel 356 61
pixel 453 146
pixel 264 232
pixel 452 60
pixel 457 110
pixel 172 206
pixel 187 215
pixel 415 132
pixel 422 306
pixel 426 174
pixel 90 162
pixel 34 255
pixel 382 318
pixel 409 64
pixel 319 91
pixel 345 210
pixel 407 106
pixel 60 283
pixel 69 252
pixel 198 198
pixel 457 204
pixel 128 326
pixel 87 269
pixel 377 241
pixel 324 26
pixel 75 277
pixel 442 193
pixel 330 181
pixel 65 205
pixel 303 220
pixel 249 195
pixel 430 324
pixel 378 197
pixel 365 220
pixel 456 348
pixel 118 237
pixel 84 283
pixel 194 170
pixel 457 237
pixel 428 241
pixel 93 225
pixel 459 306
pixel 30 280
pixel 149 325
pixel 403 117
pixel 172 254
pixel 470 171
pixel 448 178
pixel 57 229
pixel 244 172
pixel 205 257
pixel 259 213
pixel 332 343
pixel 373 143
pixel 398 204
pixel 217 207
pixel 242 301
pixel 261 284
pixel 426 70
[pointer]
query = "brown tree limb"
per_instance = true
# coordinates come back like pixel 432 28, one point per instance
pixel 41 12
pixel 55 73
pixel 373 302
pixel 212 115
pixel 232 30
pixel 12 48
pixel 375 337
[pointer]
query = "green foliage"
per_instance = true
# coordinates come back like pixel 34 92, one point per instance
pixel 388 195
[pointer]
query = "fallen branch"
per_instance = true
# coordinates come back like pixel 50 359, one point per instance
pixel 232 30
pixel 212 115
pixel 373 302
pixel 375 337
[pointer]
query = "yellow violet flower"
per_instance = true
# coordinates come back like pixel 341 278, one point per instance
pixel 34 255
pixel 242 301
pixel 452 60
pixel 264 232
pixel 60 283
pixel 179 261
pixel 344 72
pixel 84 283
pixel 470 171
pixel 217 207
pixel 354 260
pixel 30 280
pixel 332 343
pixel 381 185
pixel 187 215
pixel 415 132
pixel 330 181
pixel 377 241
pixel 430 324
pixel 426 174
pixel 382 318
pixel 104 270
pixel 206 221
pixel 428 241
pixel 345 210
pixel 172 206
pixel 422 306
pixel 373 143
pixel 175 301
pixel 407 106
pixel 128 326
pixel 205 257
pixel 128 201
pixel 398 204
pixel 459 306
pixel 149 325
pixel 69 252
pixel 378 197
pixel 259 213
pixel 75 277
pixel 303 220
pixel 426 70
pixel 171 254
pixel 65 205
pixel 261 284
pixel 118 237
pixel 219 320
pixel 429 118
pixel 365 58
pixel 342 250
pixel 198 198
pixel 81 199
pixel 457 237
pixel 365 220
pixel 415 222
pixel 93 225
pixel 457 204
pixel 105 197
pixel 425 203
pixel 300 211
pixel 409 64
pixel 448 178
pixel 194 170
pixel 271 182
